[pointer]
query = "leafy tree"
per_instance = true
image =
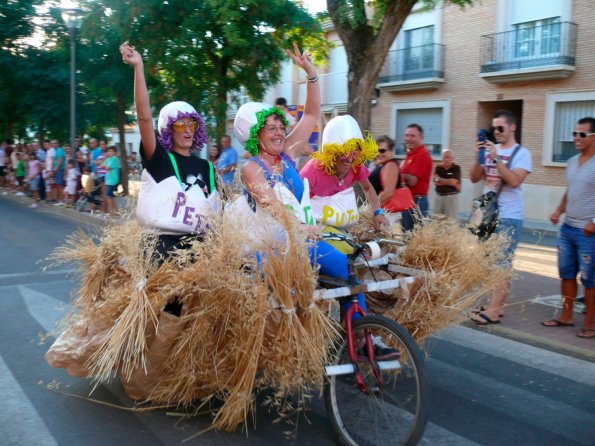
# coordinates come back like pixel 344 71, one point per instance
pixel 16 19
pixel 367 42
pixel 202 49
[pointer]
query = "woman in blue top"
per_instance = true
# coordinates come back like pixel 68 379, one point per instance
pixel 262 130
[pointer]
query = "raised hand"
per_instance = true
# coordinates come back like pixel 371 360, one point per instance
pixel 130 55
pixel 303 60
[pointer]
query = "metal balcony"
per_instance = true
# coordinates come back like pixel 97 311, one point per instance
pixel 413 68
pixel 540 52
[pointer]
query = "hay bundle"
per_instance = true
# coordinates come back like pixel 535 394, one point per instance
pixel 229 331
pixel 459 272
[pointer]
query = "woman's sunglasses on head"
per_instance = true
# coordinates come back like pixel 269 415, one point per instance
pixel 181 125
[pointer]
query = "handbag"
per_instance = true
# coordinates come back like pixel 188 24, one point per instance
pixel 401 200
pixel 483 220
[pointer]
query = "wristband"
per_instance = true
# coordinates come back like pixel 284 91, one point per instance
pixel 313 79
pixel 378 212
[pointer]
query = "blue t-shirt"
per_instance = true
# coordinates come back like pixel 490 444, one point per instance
pixel 95 153
pixel 60 154
pixel 227 158
pixel 112 177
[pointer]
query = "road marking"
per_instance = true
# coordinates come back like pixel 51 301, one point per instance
pixel 37 273
pixel 45 309
pixel 527 355
pixel 20 421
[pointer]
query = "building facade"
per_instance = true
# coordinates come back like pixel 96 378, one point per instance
pixel 450 69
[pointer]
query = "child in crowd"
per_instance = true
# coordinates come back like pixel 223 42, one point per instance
pixel 34 177
pixel 89 190
pixel 71 182
pixel 20 174
pixel 112 178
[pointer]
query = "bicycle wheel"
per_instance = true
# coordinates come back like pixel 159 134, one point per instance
pixel 392 413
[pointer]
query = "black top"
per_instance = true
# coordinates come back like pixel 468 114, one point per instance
pixel 375 176
pixel 193 170
pixel 448 174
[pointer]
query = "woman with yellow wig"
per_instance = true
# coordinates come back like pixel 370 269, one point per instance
pixel 334 169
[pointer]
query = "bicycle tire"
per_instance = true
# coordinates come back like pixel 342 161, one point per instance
pixel 379 417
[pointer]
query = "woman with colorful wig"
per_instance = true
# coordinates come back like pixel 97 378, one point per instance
pixel 178 190
pixel 335 168
pixel 272 180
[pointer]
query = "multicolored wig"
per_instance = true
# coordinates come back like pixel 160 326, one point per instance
pixel 173 112
pixel 341 137
pixel 250 118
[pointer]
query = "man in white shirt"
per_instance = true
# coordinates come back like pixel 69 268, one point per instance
pixel 499 168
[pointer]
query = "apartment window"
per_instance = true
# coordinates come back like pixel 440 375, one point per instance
pixel 537 38
pixel 419 49
pixel 567 115
pixel 432 116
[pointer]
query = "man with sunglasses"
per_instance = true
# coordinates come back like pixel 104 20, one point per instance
pixel 499 168
pixel 576 241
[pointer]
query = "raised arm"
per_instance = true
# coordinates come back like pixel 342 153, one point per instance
pixel 141 99
pixel 304 128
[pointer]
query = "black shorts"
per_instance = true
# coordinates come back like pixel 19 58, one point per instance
pixel 2 171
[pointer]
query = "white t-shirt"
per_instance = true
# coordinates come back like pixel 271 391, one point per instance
pixel 2 157
pixel 50 154
pixel 510 201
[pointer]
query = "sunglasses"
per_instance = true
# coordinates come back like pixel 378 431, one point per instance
pixel 180 126
pixel 582 135
pixel 498 128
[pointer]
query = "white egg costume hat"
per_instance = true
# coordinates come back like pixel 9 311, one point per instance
pixel 250 118
pixel 341 137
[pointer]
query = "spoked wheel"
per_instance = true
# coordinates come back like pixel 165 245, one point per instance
pixel 391 410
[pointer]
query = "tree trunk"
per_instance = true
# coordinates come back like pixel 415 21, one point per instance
pixel 122 133
pixel 366 49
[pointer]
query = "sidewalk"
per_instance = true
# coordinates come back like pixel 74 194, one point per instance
pixel 534 295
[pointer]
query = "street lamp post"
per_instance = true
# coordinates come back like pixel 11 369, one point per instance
pixel 73 18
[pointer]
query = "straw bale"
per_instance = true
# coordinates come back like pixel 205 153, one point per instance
pixel 231 338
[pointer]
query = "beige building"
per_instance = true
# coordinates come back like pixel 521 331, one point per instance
pixel 449 69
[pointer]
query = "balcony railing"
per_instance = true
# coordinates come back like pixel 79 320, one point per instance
pixel 413 64
pixel 548 45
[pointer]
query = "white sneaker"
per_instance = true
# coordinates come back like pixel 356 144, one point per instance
pixel 34 205
pixel 19 193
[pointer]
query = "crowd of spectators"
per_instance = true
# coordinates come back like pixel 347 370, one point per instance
pixel 51 172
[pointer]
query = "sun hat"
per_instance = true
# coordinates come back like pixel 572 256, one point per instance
pixel 250 118
pixel 171 113
pixel 342 136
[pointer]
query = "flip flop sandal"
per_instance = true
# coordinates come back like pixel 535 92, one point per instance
pixel 586 333
pixel 557 323
pixel 486 320
pixel 481 308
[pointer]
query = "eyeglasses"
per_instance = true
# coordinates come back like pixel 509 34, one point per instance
pixel 582 135
pixel 273 129
pixel 498 128
pixel 181 125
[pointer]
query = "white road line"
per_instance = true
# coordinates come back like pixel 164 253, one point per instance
pixel 527 355
pixel 21 424
pixel 528 407
pixel 45 309
pixel 36 273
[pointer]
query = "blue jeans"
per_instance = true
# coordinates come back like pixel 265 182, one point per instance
pixel 512 227
pixel 576 252
pixel 410 217
pixel 334 263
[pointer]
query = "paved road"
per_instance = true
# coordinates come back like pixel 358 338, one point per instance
pixel 486 390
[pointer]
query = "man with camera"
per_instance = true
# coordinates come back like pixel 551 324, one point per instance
pixel 509 163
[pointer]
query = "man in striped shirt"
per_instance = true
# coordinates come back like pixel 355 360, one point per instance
pixel 576 242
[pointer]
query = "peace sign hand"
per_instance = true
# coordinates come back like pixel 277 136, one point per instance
pixel 303 60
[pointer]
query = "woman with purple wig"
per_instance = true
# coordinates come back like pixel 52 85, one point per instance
pixel 178 191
